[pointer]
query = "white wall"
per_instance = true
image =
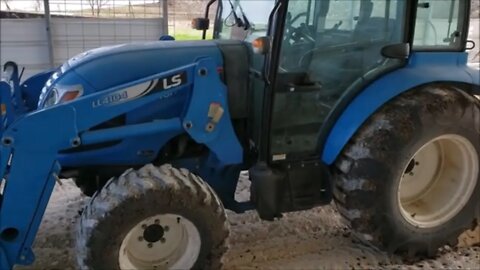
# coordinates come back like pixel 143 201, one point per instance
pixel 25 40
pixel 474 34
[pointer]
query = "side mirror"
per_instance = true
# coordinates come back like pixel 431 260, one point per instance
pixel 396 51
pixel 201 24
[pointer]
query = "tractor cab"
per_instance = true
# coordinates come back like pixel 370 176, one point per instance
pixel 318 54
pixel 308 62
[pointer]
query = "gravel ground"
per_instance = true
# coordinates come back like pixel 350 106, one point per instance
pixel 314 239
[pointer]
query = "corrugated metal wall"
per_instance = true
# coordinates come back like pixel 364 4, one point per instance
pixel 25 40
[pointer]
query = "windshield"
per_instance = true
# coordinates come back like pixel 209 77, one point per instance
pixel 247 18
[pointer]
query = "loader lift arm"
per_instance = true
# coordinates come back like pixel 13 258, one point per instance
pixel 27 185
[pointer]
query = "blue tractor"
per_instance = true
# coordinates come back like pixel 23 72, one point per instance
pixel 368 102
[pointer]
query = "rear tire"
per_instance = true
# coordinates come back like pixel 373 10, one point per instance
pixel 409 180
pixel 153 218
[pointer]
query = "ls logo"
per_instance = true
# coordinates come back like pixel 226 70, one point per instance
pixel 143 89
pixel 173 81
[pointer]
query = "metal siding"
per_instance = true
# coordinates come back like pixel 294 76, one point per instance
pixel 25 40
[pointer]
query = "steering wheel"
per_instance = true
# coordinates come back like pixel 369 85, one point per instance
pixel 297 33
pixel 298 16
pixel 296 40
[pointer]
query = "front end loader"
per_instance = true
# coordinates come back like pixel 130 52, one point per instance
pixel 61 127
pixel 368 103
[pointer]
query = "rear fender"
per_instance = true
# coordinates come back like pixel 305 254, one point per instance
pixel 423 68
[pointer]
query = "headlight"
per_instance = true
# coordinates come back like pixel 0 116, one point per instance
pixel 51 98
pixel 63 93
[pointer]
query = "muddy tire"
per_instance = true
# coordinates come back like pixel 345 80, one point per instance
pixel 153 218
pixel 408 182
pixel 89 183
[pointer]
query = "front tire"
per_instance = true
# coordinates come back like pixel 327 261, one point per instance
pixel 409 181
pixel 153 218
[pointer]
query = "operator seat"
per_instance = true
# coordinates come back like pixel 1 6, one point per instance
pixel 372 34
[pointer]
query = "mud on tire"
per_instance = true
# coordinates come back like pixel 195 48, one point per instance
pixel 369 170
pixel 136 195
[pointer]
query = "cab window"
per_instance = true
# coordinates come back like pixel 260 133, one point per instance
pixel 439 25
pixel 329 47
pixel 252 15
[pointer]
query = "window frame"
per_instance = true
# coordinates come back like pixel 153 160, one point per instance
pixel 463 22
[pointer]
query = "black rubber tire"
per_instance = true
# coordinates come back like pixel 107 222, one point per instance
pixel 136 195
pixel 89 183
pixel 368 171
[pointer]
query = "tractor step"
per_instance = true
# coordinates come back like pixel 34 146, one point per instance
pixel 289 187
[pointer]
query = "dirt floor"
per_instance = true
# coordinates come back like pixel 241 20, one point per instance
pixel 314 239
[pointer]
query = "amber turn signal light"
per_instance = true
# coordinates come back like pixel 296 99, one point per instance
pixel 261 45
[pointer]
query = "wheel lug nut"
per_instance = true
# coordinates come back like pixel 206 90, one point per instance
pixel 163 240
pixel 144 226
pixel 140 238
pixel 166 228
pixel 150 245
pixel 157 221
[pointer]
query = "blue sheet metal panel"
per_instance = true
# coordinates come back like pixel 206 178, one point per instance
pixel 121 66
pixel 32 87
pixel 29 184
pixel 30 176
pixel 423 68
pixel 5 263
pixel 7 112
pixel 27 256
pixel 30 181
pixel 130 147
pixel 137 148
pixel 105 68
pixel 128 152
pixel 93 113
pixel 209 93
pixel 135 130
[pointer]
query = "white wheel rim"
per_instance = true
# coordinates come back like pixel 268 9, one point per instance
pixel 438 181
pixel 164 241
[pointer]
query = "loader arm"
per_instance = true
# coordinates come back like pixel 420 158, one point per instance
pixel 29 144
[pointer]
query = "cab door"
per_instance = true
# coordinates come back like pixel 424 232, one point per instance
pixel 328 50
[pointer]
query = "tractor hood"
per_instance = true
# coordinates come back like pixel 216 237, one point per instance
pixel 107 67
